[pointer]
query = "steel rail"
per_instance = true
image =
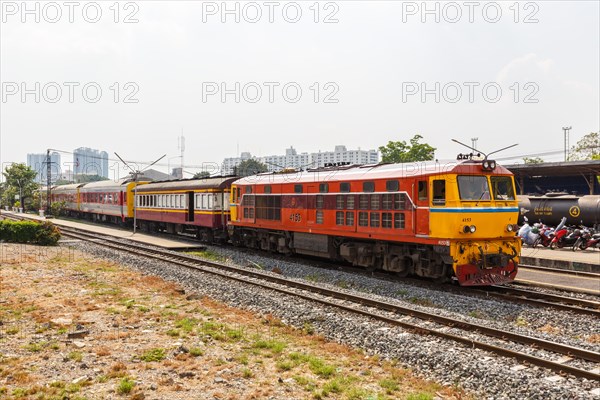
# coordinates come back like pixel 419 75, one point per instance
pixel 201 265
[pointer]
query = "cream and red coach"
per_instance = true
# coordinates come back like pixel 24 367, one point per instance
pixel 426 219
pixel 198 206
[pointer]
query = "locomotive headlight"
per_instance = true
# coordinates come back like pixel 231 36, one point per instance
pixel 492 164
pixel 486 164
pixel 472 228
pixel 510 227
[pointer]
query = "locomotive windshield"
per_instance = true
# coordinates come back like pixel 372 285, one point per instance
pixel 473 188
pixel 502 188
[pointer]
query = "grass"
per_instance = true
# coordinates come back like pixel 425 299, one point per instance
pixel 320 368
pixel 196 351
pixel 187 324
pixel 419 396
pixel 125 386
pixel 273 345
pixel 207 254
pixel 390 385
pixel 75 356
pixel 153 355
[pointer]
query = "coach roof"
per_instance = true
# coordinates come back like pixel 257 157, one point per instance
pixel 187 184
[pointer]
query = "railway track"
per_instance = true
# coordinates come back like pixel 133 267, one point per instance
pixel 387 312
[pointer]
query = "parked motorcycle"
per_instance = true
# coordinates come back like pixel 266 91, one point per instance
pixel 565 237
pixel 588 239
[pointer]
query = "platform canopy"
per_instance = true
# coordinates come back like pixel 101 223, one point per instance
pixel 557 176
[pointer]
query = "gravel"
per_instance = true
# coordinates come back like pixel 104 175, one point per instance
pixel 478 372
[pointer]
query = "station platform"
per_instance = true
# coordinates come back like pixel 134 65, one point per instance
pixel 588 283
pixel 581 260
pixel 166 243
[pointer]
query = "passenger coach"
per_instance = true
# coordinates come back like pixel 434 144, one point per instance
pixel 427 219
pixel 198 206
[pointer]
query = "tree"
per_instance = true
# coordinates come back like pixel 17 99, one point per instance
pixel 85 178
pixel 250 167
pixel 202 175
pixel 19 180
pixel 588 148
pixel 399 152
pixel 532 161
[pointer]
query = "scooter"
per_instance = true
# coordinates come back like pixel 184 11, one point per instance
pixel 565 237
pixel 588 239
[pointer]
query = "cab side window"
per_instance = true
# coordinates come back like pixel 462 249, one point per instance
pixel 422 190
pixel 439 192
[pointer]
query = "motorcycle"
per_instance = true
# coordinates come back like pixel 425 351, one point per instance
pixel 565 237
pixel 546 233
pixel 588 239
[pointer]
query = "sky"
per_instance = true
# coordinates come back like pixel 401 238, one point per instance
pixel 130 77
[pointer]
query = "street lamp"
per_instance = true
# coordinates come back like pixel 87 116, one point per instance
pixel 566 130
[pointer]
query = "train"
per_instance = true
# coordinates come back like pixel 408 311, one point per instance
pixel 552 207
pixel 439 221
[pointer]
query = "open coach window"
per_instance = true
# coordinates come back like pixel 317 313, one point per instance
pixel 502 188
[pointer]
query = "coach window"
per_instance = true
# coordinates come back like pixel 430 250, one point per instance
pixel 319 219
pixel 422 190
pixel 297 188
pixel 268 189
pixel 339 218
pixel 210 201
pixel 363 201
pixel 320 201
pixel 369 187
pixel 439 192
pixel 398 220
pixel 399 201
pixel 392 186
pixel 386 220
pixel 387 201
pixel 350 202
pixel 324 188
pixel 349 218
pixel 374 220
pixel 345 187
pixel 374 202
pixel 363 218
pixel 339 202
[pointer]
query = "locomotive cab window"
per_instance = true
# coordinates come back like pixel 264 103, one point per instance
pixel 473 188
pixel 297 188
pixel 502 188
pixel 439 192
pixel 422 190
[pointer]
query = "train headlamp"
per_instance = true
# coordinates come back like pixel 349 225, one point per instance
pixel 510 227
pixel 469 229
pixel 488 165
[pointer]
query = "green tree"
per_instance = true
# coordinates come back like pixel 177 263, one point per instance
pixel 19 180
pixel 202 175
pixel 588 148
pixel 399 152
pixel 535 160
pixel 250 167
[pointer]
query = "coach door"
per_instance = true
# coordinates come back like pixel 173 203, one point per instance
pixel 190 209
pixel 422 211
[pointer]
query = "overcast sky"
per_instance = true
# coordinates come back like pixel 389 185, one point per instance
pixel 362 68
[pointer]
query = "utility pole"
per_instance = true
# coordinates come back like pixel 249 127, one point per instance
pixel 474 142
pixel 566 131
pixel 48 182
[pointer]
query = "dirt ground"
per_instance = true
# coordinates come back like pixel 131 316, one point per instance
pixel 76 327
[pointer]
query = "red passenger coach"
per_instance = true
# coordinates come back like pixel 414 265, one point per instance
pixel 107 200
pixel 426 219
pixel 198 206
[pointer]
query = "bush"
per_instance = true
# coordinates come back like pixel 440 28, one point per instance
pixel 45 234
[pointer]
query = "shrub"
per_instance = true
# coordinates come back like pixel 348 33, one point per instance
pixel 45 234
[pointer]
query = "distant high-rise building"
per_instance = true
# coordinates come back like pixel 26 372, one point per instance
pixel 38 162
pixel 88 161
pixel 293 160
